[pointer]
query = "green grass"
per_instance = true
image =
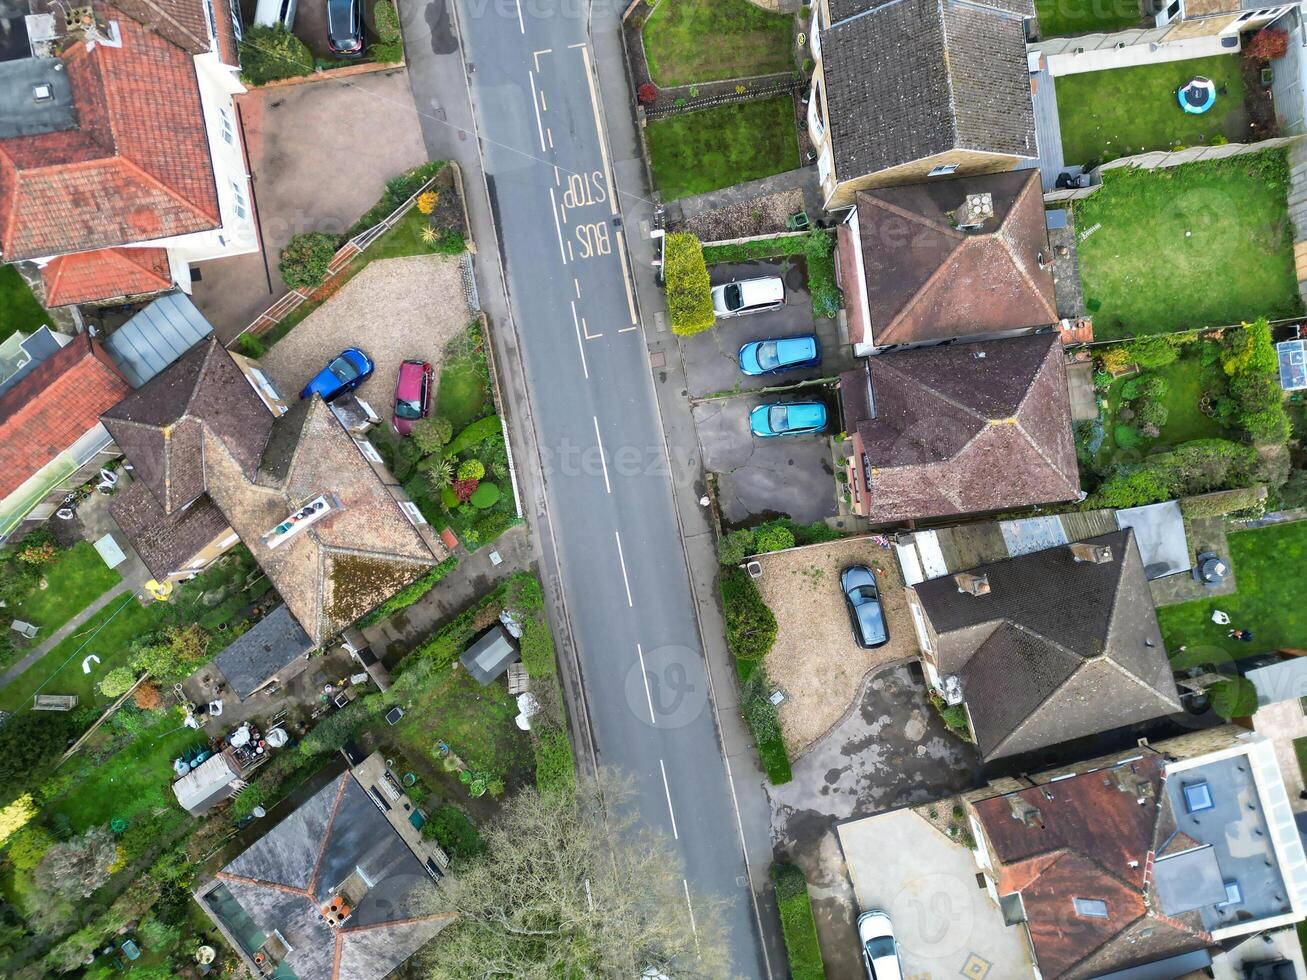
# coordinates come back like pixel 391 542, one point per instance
pixel 75 579
pixel 1268 601
pixel 697 152
pixel 1184 419
pixel 1300 751
pixel 19 309
pixel 688 41
pixel 463 395
pixel 771 750
pixel 799 927
pixel 1117 113
pixel 1205 244
pixel 1066 18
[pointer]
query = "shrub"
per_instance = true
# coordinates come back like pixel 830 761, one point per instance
pixel 455 832
pixel 427 201
pixel 1152 413
pixel 430 435
pixel 271 53
pixel 1234 698
pixel 1126 436
pixel 16 816
pixel 29 741
pixel 760 715
pixel 117 682
pixel 647 93
pixel 689 292
pixel 251 346
pixel 1116 359
pixel 485 496
pixel 471 469
pixel 797 923
pixel 1267 44
pixel 147 696
pixel 463 490
pixel 819 251
pixel 736 546
pixel 1152 352
pixel 750 625
pixel 475 434
pixel 305 259
pixel 492 525
pixel 448 242
pixel 438 474
pixel 256 794
pixel 27 846
pixel 385 21
pixel 555 768
pixel 1145 386
pixel 774 537
pixel 1222 503
pixel 37 553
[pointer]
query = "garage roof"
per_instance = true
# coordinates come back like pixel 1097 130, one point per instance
pixel 157 336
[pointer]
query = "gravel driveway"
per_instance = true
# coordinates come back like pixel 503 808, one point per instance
pixel 815 660
pixel 409 307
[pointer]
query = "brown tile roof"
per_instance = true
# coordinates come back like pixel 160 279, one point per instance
pixel 165 542
pixel 1057 649
pixel 106 273
pixel 1090 836
pixel 140 143
pixel 911 79
pixel 927 280
pixel 54 406
pixel 952 432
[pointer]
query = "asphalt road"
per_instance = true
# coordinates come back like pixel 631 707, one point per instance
pixel 605 467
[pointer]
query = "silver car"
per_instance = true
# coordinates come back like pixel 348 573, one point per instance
pixel 748 296
pixel 880 953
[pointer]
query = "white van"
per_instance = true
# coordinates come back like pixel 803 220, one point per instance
pixel 270 13
pixel 748 296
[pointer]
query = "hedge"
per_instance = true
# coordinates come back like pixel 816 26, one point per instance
pixel 389 46
pixel 750 625
pixel 555 767
pixel 410 594
pixel 738 545
pixel 797 923
pixel 764 723
pixel 306 259
pixel 269 54
pixel 475 434
pixel 1223 502
pixel 689 292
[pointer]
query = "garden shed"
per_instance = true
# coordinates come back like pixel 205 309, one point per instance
pixel 489 656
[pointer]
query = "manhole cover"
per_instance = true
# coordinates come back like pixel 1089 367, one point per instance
pixel 658 359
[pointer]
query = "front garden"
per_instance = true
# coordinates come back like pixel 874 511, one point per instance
pixel 688 41
pixel 1109 114
pixel 1204 244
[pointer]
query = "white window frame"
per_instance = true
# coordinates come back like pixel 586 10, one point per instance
pixel 412 512
pixel 240 204
pixel 226 125
pixel 943 170
pixel 211 20
pixel 237 27
pixel 824 164
pixel 368 450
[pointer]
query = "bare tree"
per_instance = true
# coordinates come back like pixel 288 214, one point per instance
pixel 569 887
pixel 76 868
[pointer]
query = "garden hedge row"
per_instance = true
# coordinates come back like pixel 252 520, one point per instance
pixel 475 434
pixel 797 923
pixel 269 54
pixel 750 625
pixel 689 292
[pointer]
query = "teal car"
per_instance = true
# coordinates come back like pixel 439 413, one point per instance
pixel 787 419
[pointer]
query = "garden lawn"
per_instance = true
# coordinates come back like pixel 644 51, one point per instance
pixel 75 579
pixel 1117 113
pixel 697 152
pixel 1268 601
pixel 1205 244
pixel 19 309
pixel 463 393
pixel 1066 18
pixel 688 41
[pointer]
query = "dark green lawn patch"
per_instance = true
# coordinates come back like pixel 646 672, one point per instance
pixel 1066 18
pixel 463 394
pixel 19 310
pixel 1123 111
pixel 688 41
pixel 1267 564
pixel 703 151
pixel 74 580
pixel 1205 244
pixel 797 923
pixel 1300 752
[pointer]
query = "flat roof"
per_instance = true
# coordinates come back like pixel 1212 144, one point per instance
pixel 1159 533
pixel 489 656
pixel 35 97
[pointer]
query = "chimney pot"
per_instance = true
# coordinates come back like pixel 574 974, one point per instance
pixel 972 584
pixel 1098 554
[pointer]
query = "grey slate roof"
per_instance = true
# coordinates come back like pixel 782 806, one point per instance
pixel 1056 650
pixel 157 336
pixel 274 642
pixel 908 79
pixel 489 656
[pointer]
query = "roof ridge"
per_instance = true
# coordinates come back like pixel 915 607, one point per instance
pixel 392 923
pixel 1140 681
pixel 1017 262
pixel 873 197
pixel 262 883
pixel 326 835
pixel 1039 450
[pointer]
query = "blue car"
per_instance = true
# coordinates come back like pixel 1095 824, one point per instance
pixel 787 419
pixel 341 375
pixel 862 596
pixel 781 354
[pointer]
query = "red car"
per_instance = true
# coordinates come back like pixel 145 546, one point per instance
pixel 412 395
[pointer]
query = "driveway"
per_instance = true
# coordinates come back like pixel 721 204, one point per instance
pixel 891 750
pixel 946 925
pixel 394 309
pixel 760 478
pixel 320 154
pixel 710 358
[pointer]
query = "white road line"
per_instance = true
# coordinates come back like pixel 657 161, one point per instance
pixel 521 26
pixel 626 279
pixel 535 103
pixel 693 928
pixel 580 345
pixel 667 789
pixel 644 674
pixel 550 133
pixel 577 283
pixel 569 249
pixel 553 206
pixel 622 560
pixel 607 486
pixel 543 104
pixel 535 56
pixel 599 124
pixel 556 179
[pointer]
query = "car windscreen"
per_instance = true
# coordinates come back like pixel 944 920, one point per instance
pixel 767 356
pixel 343 370
pixel 734 296
pixel 879 947
pixel 778 418
pixel 408 410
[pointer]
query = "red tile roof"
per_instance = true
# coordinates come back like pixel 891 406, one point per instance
pixel 47 411
pixel 105 273
pixel 137 167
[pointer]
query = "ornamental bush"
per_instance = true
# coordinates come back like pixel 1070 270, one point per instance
pixel 272 53
pixel 485 496
pixel 647 93
pixel 750 625
pixel 117 682
pixel 1145 386
pixel 1267 44
pixel 733 548
pixel 773 537
pixel 431 434
pixel 455 832
pixel 305 260
pixel 689 292
pixel 471 469
pixel 1152 352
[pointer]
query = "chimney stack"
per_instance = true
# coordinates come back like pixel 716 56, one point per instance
pixel 975 211
pixel 1099 554
pixel 972 584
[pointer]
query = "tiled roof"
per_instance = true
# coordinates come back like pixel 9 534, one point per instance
pixel 955 432
pixel 928 280
pixel 1057 649
pixel 909 79
pixel 140 143
pixel 106 273
pixel 53 407
pixel 179 21
pixel 165 542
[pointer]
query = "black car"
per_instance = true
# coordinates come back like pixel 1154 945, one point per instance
pixel 345 27
pixel 862 596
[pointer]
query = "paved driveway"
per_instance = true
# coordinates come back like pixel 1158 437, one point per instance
pixel 320 154
pixel 710 360
pixel 890 750
pixel 758 478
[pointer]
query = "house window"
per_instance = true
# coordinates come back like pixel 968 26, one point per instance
pixel 919 621
pixel 1198 797
pixel 212 19
pixel 824 164
pixel 237 28
pixel 368 450
pixel 225 126
pixel 1092 908
pixel 238 197
pixel 411 511
pixel 943 170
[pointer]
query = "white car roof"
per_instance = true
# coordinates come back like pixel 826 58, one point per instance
pixel 756 292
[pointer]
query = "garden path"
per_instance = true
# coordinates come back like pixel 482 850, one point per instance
pixel 67 629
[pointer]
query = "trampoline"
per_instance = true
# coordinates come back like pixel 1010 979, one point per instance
pixel 1197 96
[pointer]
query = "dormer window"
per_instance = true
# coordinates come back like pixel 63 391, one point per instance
pixel 1090 908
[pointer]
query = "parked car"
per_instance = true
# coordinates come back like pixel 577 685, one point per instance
pixel 342 374
pixel 787 419
pixel 345 28
pixel 862 596
pixel 880 953
pixel 780 354
pixel 748 296
pixel 412 395
pixel 273 13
